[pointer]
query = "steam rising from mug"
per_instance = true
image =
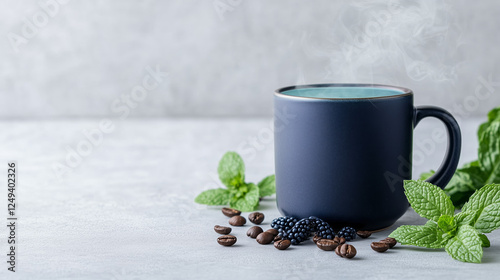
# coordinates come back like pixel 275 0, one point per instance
pixel 372 38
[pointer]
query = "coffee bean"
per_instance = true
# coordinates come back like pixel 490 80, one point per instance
pixel 339 240
pixel 237 221
pixel 265 238
pixel 254 231
pixel 222 230
pixel 226 240
pixel 380 246
pixel 337 251
pixel 256 218
pixel 230 212
pixel 364 233
pixel 327 244
pixel 277 238
pixel 316 238
pixel 273 231
pixel 389 240
pixel 346 251
pixel 282 244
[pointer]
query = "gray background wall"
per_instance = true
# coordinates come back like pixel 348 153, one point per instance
pixel 225 57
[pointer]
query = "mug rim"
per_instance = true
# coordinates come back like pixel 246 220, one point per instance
pixel 404 91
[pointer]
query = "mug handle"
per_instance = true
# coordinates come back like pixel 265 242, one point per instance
pixel 447 169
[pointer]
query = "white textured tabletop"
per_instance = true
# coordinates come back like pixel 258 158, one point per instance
pixel 125 210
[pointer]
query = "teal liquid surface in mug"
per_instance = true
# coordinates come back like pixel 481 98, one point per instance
pixel 343 92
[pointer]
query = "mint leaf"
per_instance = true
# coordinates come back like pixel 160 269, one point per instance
pixel 489 219
pixel 465 218
pixel 267 186
pixel 483 197
pixel 485 242
pixel 428 200
pixel 231 170
pixel 447 224
pixel 248 201
pixel 427 236
pixel 493 116
pixel 466 245
pixel 213 197
pixel 478 202
pixel 489 153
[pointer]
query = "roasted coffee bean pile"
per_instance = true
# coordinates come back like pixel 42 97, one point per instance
pixel 255 232
pixel 286 231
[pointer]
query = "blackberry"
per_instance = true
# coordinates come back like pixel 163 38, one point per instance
pixel 283 224
pixel 348 233
pixel 322 228
pixel 300 231
pixel 325 231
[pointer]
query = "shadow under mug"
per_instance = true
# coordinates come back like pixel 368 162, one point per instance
pixel 342 152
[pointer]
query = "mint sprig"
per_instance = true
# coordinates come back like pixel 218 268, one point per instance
pixel 462 235
pixel 239 194
pixel 484 171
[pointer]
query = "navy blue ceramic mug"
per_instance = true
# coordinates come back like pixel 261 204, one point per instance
pixel 342 152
